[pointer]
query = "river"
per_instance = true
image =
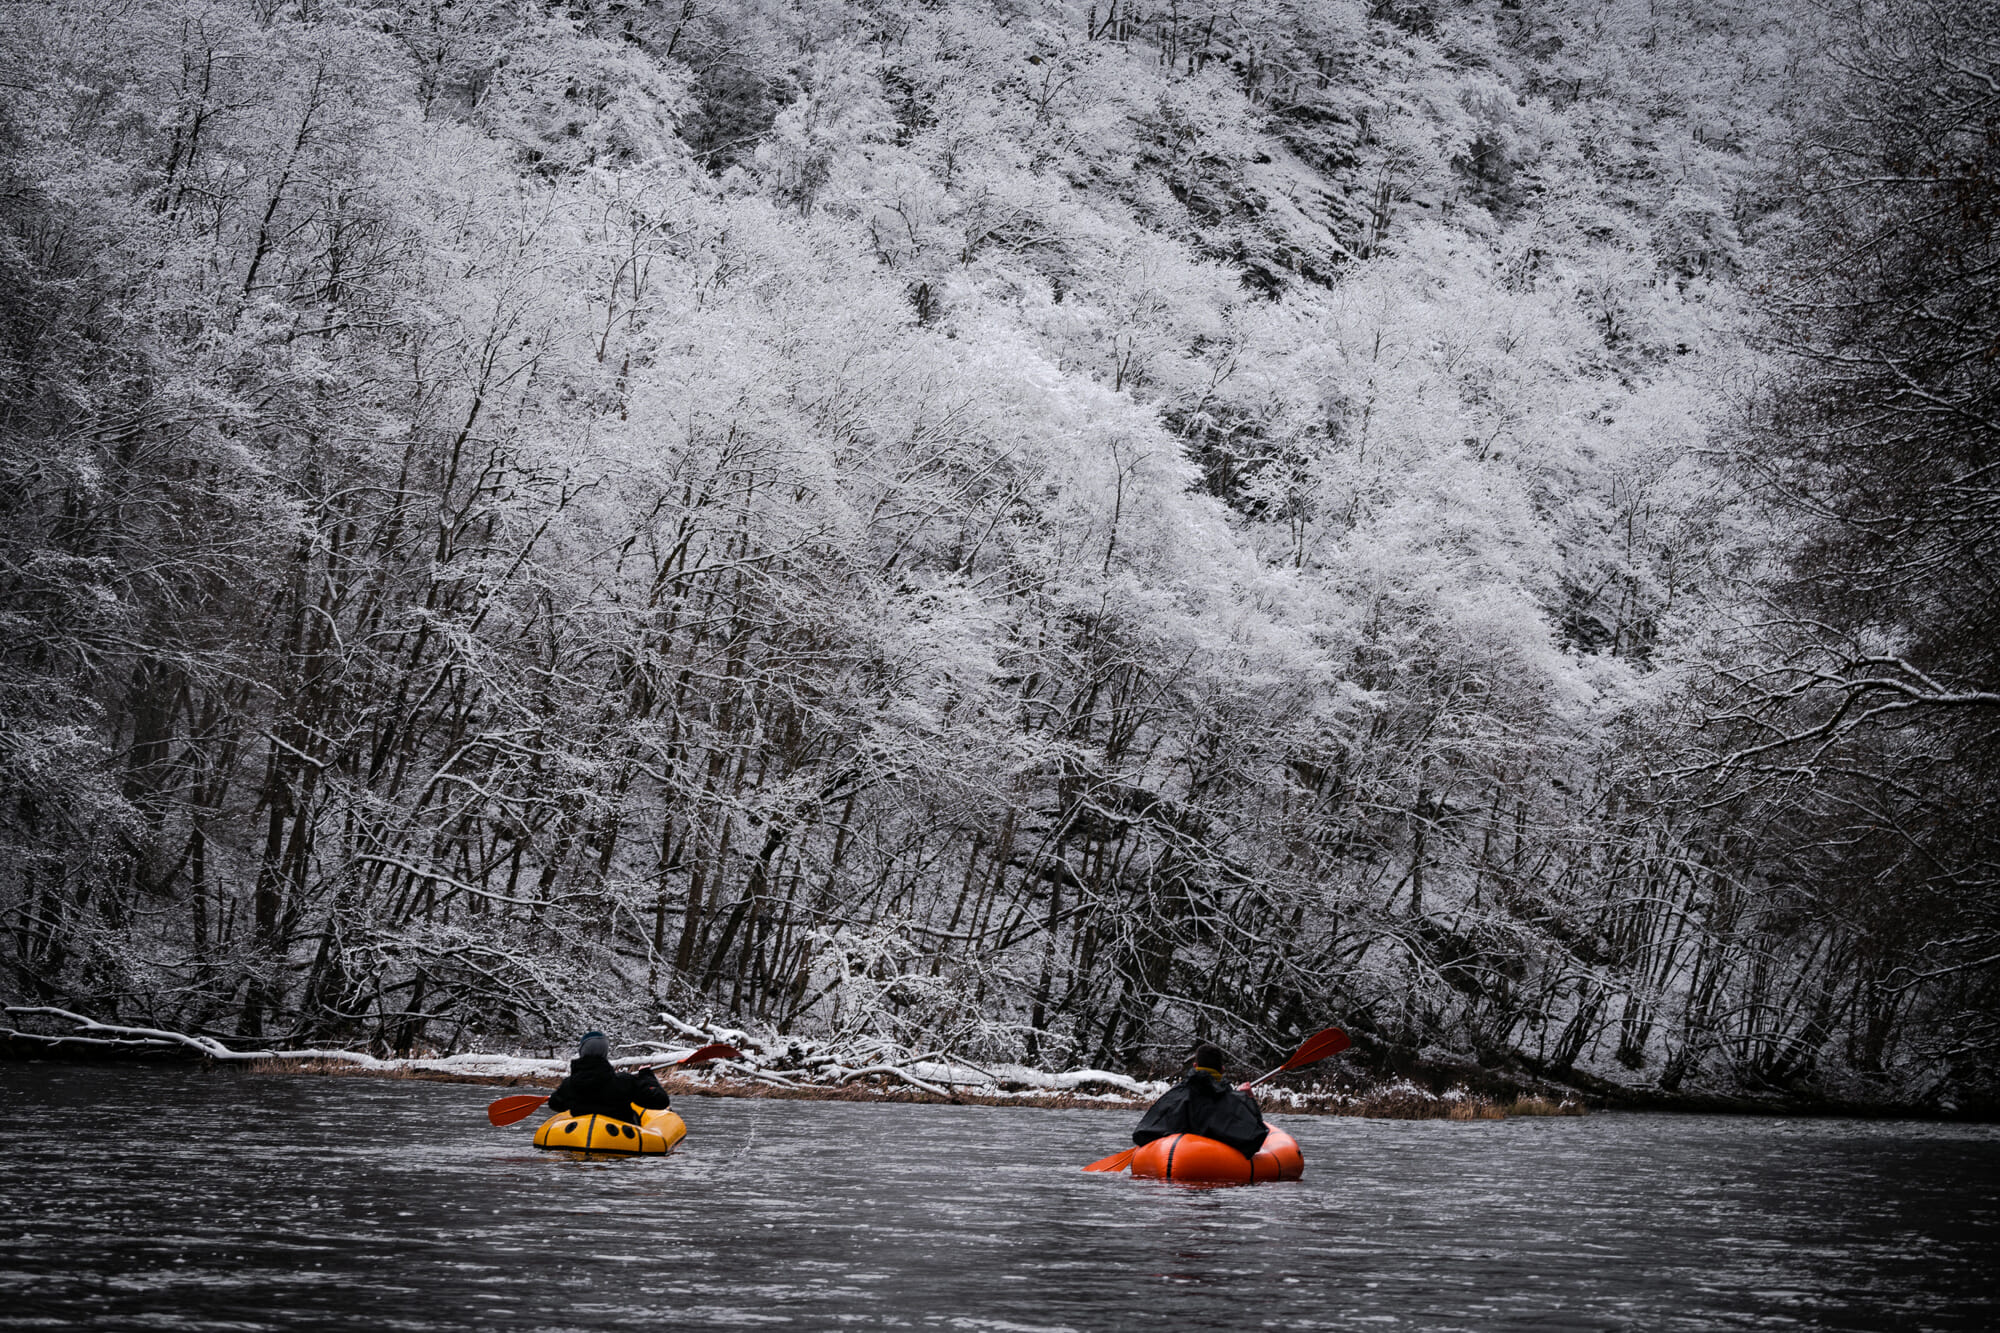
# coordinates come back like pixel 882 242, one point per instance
pixel 168 1198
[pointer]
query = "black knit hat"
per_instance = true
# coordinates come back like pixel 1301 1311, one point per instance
pixel 1210 1056
pixel 594 1043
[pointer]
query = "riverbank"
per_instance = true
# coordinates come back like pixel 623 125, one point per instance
pixel 788 1068
pixel 1368 1081
pixel 1400 1101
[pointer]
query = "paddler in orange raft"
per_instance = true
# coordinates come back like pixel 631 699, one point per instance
pixel 1204 1132
pixel 1204 1103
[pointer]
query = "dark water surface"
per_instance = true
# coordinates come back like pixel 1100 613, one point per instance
pixel 151 1199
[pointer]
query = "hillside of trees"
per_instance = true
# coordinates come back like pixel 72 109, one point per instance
pixel 1029 528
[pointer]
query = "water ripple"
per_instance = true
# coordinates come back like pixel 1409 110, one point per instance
pixel 180 1200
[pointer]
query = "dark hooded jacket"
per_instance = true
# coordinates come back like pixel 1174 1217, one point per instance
pixel 595 1088
pixel 1204 1104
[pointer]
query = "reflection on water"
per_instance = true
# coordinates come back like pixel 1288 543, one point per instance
pixel 140 1198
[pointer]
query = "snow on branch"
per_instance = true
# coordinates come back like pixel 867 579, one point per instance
pixel 788 1061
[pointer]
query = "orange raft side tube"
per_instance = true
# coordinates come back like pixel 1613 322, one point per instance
pixel 1191 1159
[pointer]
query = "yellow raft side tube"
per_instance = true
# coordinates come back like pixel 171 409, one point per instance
pixel 656 1132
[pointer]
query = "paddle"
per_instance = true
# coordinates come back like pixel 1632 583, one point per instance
pixel 509 1110
pixel 1320 1046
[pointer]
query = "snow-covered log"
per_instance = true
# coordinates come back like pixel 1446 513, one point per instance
pixel 89 1032
pixel 797 1062
pixel 208 1048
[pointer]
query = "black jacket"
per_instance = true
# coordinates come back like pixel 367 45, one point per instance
pixel 1203 1104
pixel 595 1088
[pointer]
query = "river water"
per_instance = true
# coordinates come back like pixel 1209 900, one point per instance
pixel 172 1199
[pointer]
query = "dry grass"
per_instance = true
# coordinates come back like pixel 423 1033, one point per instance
pixel 346 1069
pixel 1543 1106
pixel 1408 1104
pixel 886 1090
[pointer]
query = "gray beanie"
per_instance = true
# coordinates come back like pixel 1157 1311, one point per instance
pixel 594 1043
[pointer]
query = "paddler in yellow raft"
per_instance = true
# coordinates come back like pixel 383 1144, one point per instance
pixel 603 1110
pixel 595 1088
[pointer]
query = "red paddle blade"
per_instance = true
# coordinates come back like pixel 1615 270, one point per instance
pixel 1115 1162
pixel 712 1051
pixel 508 1110
pixel 1318 1047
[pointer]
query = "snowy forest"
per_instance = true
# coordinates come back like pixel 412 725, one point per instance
pixel 1037 529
